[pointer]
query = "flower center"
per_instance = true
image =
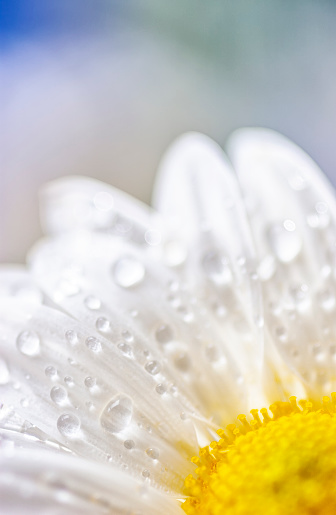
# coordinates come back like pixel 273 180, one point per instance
pixel 284 463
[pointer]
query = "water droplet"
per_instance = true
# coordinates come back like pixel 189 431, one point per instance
pixel 71 337
pixel 128 336
pixel 117 414
pixel 129 444
pixel 102 324
pixel 4 372
pixel 92 302
pixel 153 453
pixel 153 237
pixel 182 362
pixel 286 244
pixel 186 313
pixel 28 343
pixel 281 334
pixel 90 382
pixel 51 372
pixel 93 344
pixel 24 402
pixel 68 425
pixel 266 268
pixel 146 473
pixel 174 253
pixel 216 268
pixel 58 394
pixel 327 300
pixel 125 349
pixel 297 182
pixel 153 367
pixel 69 381
pixel 128 272
pixel 164 334
pixel 160 389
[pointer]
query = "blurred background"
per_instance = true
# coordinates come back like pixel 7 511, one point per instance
pixel 101 87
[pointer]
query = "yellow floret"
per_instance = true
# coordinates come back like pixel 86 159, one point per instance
pixel 280 464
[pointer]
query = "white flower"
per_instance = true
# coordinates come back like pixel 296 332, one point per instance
pixel 134 334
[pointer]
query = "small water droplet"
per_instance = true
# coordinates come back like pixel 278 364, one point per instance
pixel 4 372
pixel 90 382
pixel 182 362
pixel 129 444
pixel 164 334
pixel 216 268
pixel 153 453
pixel 58 394
pixel 186 314
pixel 24 402
pixel 153 237
pixel 71 337
pixel 266 268
pixel 117 414
pixel 128 336
pixel 327 300
pixel 69 381
pixel 125 349
pixel 68 425
pixel 51 372
pixel 28 343
pixel 153 367
pixel 160 389
pixel 146 473
pixel 102 324
pixel 286 244
pixel 281 334
pixel 128 272
pixel 93 344
pixel 297 182
pixel 174 254
pixel 92 302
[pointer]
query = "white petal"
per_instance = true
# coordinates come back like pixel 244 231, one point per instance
pixel 77 203
pixel 293 216
pixel 97 402
pixel 32 482
pixel 198 195
pixel 112 280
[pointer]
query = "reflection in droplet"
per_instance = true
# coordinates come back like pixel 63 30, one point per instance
pixel 68 425
pixel 128 272
pixel 117 414
pixel 28 343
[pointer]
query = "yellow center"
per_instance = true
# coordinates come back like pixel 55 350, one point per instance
pixel 284 464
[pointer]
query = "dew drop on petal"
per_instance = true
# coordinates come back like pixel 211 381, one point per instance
pixel 164 334
pixel 216 268
pixel 146 473
pixel 117 414
pixel 68 424
pixel 129 444
pixel 92 302
pixel 160 389
pixel 50 372
pixel 93 344
pixel 102 324
pixel 125 349
pixel 284 241
pixel 128 272
pixel 153 367
pixel 69 381
pixel 4 372
pixel 58 394
pixel 71 337
pixel 90 382
pixel 153 453
pixel 128 336
pixel 28 343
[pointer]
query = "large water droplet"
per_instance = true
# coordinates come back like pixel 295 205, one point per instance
pixel 117 414
pixel 28 343
pixel 164 334
pixel 284 241
pixel 4 372
pixel 128 272
pixel 58 394
pixel 68 425
pixel 153 367
pixel 216 268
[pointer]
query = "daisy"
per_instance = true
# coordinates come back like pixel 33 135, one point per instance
pixel 180 359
